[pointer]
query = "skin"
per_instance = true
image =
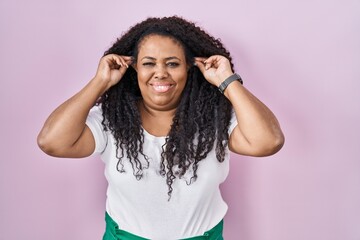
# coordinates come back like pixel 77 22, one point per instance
pixel 258 132
pixel 162 74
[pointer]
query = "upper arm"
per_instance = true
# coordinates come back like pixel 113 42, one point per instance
pixel 239 144
pixel 84 146
pixel 92 139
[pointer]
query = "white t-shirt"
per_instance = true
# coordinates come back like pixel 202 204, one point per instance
pixel 142 206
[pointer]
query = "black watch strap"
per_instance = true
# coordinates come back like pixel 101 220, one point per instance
pixel 229 80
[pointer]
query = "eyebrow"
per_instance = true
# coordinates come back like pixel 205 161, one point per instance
pixel 168 58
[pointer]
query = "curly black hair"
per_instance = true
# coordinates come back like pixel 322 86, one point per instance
pixel 201 119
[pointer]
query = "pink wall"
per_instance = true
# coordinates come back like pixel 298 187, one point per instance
pixel 302 58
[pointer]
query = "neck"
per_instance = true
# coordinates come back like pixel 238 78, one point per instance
pixel 155 113
pixel 156 122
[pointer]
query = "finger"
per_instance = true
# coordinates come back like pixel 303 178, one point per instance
pixel 202 59
pixel 126 57
pixel 212 61
pixel 114 61
pixel 127 60
pixel 208 64
pixel 120 59
pixel 200 64
pixel 213 58
pixel 124 63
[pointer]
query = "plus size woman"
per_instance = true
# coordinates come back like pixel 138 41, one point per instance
pixel 163 111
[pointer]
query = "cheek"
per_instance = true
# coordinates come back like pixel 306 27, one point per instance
pixel 183 78
pixel 143 76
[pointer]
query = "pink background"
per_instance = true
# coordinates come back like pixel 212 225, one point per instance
pixel 302 58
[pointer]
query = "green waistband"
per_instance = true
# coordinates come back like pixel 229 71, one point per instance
pixel 114 233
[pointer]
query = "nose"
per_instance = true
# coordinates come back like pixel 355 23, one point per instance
pixel 161 72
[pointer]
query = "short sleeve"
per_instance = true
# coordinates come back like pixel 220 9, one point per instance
pixel 93 121
pixel 233 122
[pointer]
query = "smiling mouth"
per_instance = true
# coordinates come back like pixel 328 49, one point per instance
pixel 161 87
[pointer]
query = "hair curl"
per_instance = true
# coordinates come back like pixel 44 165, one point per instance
pixel 202 117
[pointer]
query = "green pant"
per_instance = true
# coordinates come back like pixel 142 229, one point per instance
pixel 114 233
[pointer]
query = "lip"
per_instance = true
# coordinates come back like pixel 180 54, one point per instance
pixel 161 87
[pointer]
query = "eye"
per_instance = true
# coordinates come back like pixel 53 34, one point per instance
pixel 148 64
pixel 173 64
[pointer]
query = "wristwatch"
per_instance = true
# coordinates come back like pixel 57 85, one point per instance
pixel 229 80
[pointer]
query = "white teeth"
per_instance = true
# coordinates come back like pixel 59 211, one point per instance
pixel 161 88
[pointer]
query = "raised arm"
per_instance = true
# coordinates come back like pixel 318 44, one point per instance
pixel 65 133
pixel 258 132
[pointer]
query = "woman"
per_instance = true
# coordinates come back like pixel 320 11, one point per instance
pixel 163 111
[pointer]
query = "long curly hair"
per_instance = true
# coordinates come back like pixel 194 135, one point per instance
pixel 201 119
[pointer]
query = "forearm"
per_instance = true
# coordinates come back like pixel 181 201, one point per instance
pixel 258 132
pixel 257 125
pixel 67 122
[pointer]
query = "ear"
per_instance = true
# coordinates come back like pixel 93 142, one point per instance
pixel 133 63
pixel 134 66
pixel 190 65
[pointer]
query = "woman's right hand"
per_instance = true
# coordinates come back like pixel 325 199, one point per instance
pixel 112 68
pixel 65 133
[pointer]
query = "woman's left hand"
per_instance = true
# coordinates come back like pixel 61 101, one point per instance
pixel 215 68
pixel 258 132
